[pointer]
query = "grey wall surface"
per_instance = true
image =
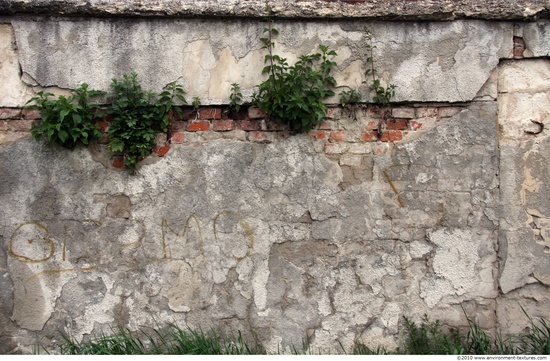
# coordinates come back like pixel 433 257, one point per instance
pixel 299 236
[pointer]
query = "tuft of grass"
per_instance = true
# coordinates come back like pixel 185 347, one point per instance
pixel 172 340
pixel 121 342
pixel 427 338
pixel 361 349
pixel 477 341
pixel 536 341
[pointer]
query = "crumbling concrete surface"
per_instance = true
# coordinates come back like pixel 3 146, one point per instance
pixel 524 96
pixel 433 61
pixel 371 9
pixel 260 236
pixel 333 238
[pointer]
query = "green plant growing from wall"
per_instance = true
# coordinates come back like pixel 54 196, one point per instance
pixel 67 120
pixel 294 94
pixel 348 97
pixel 235 98
pixel 382 95
pixel 138 116
pixel 196 103
pixel 350 101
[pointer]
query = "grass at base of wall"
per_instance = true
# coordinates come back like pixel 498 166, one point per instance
pixel 426 338
pixel 170 340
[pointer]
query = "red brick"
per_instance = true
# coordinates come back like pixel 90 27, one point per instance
pixel 176 125
pixel 3 126
pixel 397 124
pixel 222 125
pixel 426 112
pixel 372 125
pixel 338 136
pixel 198 126
pixel 177 137
pixel 415 124
pixel 255 113
pixel 369 136
pixel 327 125
pixel 10 113
pixel 188 114
pixel 118 162
pixel 31 114
pixel 248 125
pixel 210 113
pixel 20 125
pixel 102 125
pixel 161 150
pixel 318 134
pixel 259 137
pixel 391 136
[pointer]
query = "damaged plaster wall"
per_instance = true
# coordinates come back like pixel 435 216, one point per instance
pixel 333 235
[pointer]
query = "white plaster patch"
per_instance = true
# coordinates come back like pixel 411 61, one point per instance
pixel 457 266
pixel 259 284
pixel 13 92
pixel 418 249
pixel 98 313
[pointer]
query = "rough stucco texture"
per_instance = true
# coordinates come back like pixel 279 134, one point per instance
pixel 254 234
pixel 524 214
pixel 297 236
pixel 434 61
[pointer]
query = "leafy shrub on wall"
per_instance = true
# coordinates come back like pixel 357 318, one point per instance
pixel 138 116
pixel 67 120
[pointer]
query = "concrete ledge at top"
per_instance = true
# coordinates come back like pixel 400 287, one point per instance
pixel 370 9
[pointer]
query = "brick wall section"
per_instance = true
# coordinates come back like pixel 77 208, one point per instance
pixel 16 123
pixel 351 131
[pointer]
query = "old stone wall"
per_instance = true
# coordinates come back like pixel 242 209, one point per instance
pixel 436 204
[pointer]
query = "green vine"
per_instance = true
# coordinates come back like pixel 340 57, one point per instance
pixel 382 95
pixel 291 94
pixel 236 97
pixel 196 103
pixel 66 121
pixel 138 116
pixel 294 95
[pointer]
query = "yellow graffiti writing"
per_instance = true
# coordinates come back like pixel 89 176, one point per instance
pixel 244 225
pixel 29 259
pixel 55 271
pixel 183 232
pixel 37 232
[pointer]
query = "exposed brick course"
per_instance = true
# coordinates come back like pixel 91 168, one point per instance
pixel 210 113
pixel 198 126
pixel 391 136
pixel 222 125
pixel 10 113
pixel 336 135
